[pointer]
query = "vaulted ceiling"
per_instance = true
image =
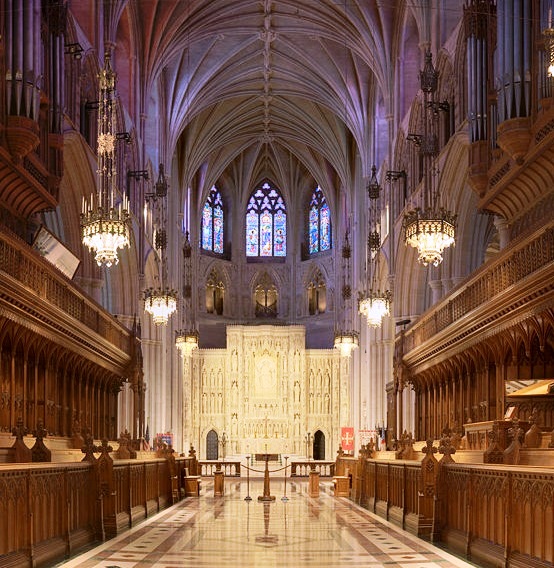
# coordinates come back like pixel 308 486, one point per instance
pixel 272 80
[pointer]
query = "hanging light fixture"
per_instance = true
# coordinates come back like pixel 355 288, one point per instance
pixel 429 228
pixel 160 302
pixel 186 338
pixel 346 340
pixel 430 232
pixel 105 220
pixel 375 303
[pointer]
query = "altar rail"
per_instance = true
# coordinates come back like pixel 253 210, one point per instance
pixel 51 512
pixel 496 515
pixel 303 468
pixel 208 467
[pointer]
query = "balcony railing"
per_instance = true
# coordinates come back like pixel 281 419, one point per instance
pixel 500 280
pixel 25 274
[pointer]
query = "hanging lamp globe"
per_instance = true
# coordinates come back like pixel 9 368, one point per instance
pixel 375 306
pixel 346 342
pixel 186 340
pixel 160 303
pixel 430 232
pixel 105 231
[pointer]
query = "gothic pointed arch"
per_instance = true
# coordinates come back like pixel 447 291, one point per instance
pixel 215 292
pixel 265 296
pixel 315 292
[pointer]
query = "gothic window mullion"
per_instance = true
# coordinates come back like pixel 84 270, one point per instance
pixel 266 229
pixel 213 228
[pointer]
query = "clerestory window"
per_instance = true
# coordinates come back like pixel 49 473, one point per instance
pixel 319 223
pixel 212 223
pixel 266 223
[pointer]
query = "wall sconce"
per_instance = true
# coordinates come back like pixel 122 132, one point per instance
pixel 74 49
pixel 125 136
pixel 138 174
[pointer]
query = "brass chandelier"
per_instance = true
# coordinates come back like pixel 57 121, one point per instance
pixel 374 303
pixel 429 227
pixel 346 339
pixel 186 338
pixel 105 220
pixel 160 302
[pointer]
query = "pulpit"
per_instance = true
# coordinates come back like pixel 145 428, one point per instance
pixel 313 483
pixel 219 482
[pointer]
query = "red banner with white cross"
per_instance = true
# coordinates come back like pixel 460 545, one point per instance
pixel 347 438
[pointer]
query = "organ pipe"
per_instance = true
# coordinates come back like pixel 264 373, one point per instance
pixel 513 73
pixel 477 18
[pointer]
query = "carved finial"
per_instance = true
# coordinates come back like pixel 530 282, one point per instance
pixel 19 431
pixel 39 451
pixel 511 453
pixel 516 432
pixel 40 433
pixel 429 449
pixel 88 446
pixel 533 436
pixel 105 447
pixel 446 449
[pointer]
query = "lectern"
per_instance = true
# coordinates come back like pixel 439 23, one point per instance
pixel 266 496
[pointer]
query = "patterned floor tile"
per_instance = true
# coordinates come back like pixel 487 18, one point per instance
pixel 300 532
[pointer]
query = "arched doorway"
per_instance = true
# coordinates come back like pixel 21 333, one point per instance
pixel 212 446
pixel 319 446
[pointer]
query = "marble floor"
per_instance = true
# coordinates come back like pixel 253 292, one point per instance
pixel 231 532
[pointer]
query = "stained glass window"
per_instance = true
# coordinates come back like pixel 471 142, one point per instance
pixel 212 222
pixel 266 223
pixel 319 223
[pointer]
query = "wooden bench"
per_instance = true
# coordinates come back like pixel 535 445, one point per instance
pixel 341 486
pixel 192 484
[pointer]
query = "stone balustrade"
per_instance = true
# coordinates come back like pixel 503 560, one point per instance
pixel 209 467
pixel 303 468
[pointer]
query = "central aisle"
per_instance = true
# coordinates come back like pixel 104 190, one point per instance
pixel 229 532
